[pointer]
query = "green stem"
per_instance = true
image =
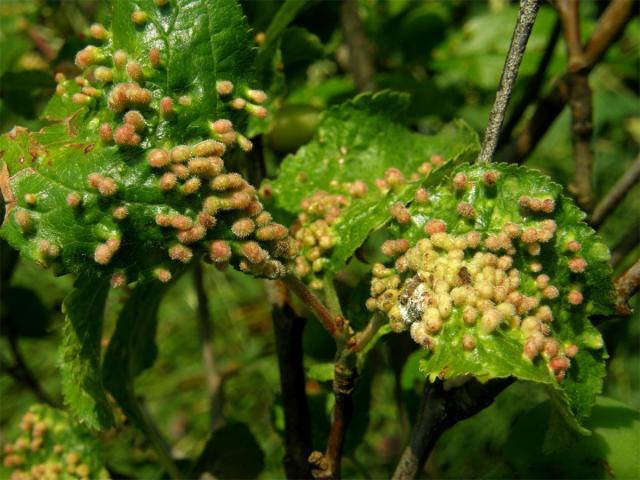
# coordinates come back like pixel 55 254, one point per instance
pixel 331 295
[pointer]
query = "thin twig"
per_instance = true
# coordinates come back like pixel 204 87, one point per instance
pixel 580 103
pixel 360 58
pixel 533 86
pixel 361 339
pixel 524 24
pixel 627 286
pixel 328 465
pixel 440 410
pixel 628 242
pixel 610 25
pixel 288 330
pixel 617 193
pixel 332 324
pixel 214 379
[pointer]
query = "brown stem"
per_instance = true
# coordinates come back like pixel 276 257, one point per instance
pixel 360 58
pixel 628 242
pixel 609 27
pixel 580 102
pixel 23 374
pixel 214 379
pixel 361 339
pixel 328 466
pixel 524 24
pixel 533 86
pixel 627 286
pixel 617 193
pixel 439 410
pixel 332 323
pixel 288 330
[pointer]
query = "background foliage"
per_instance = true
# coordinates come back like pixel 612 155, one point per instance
pixel 447 56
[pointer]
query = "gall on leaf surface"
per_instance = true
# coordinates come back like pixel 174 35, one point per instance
pixel 122 181
pixel 500 278
pixel 51 444
pixel 362 160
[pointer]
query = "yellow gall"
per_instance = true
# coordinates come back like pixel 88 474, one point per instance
pixel 154 57
pixel 134 70
pixel 221 126
pixel 87 56
pixel 73 200
pixel 158 157
pixel 161 3
pixel 227 181
pixel 468 342
pixel 422 196
pixel 243 227
pixel 191 186
pixel 166 107
pixel 180 222
pixel 163 220
pixel 435 226
pixel 256 110
pixel 257 96
pixel 490 178
pixel 206 220
pixel 534 249
pixel 574 246
pixel 574 297
pixel 126 135
pixel 542 281
pixel 577 265
pixel 207 148
pixel 106 133
pixel 437 160
pixel 135 119
pixel 394 177
pixel 530 235
pixel 180 154
pixel 238 103
pixel 162 274
pixel 139 17
pixel 103 74
pixel 400 213
pixel 460 181
pixel 192 235
pixel 120 58
pixel 224 87
pixel 274 231
pixel 168 181
pixel 245 144
pixel 118 280
pixel 180 253
pixel 80 99
pixel 548 205
pixel 253 252
pixel 98 31
pixel 103 253
pixel 219 251
pixel 264 218
pixel 425 168
pixel 120 213
pixel 466 210
pixel 469 315
pixel 571 350
pixel 205 166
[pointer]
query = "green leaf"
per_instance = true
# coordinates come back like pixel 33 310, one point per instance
pixel 132 348
pixel 610 452
pixel 498 349
pixel 286 13
pixel 80 352
pixel 300 44
pixel 59 439
pixel 231 452
pixel 58 215
pixel 359 141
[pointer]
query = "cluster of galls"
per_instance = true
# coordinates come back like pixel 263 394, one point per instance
pixel 36 456
pixel 471 279
pixel 312 229
pixel 131 112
